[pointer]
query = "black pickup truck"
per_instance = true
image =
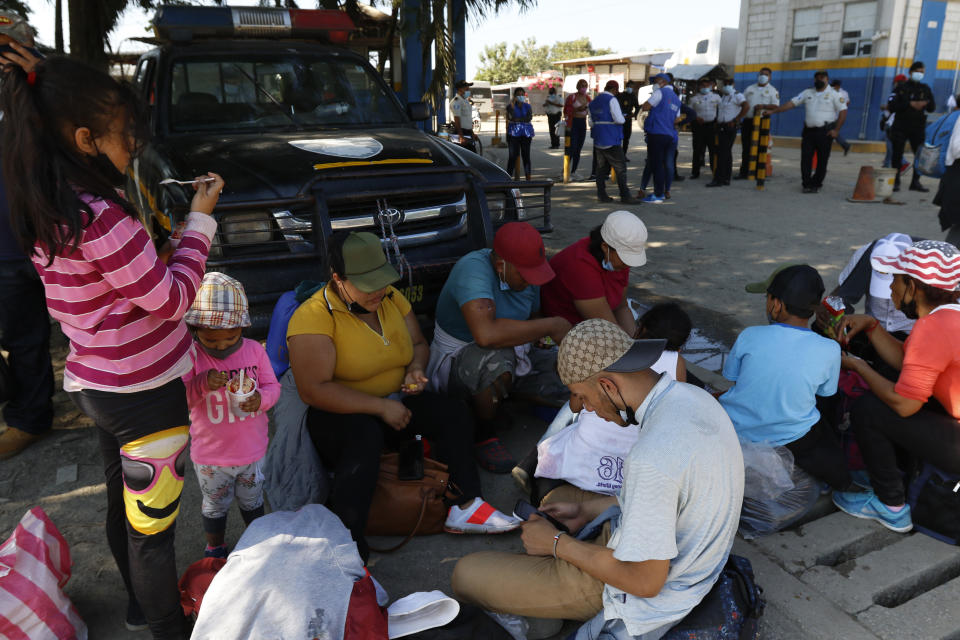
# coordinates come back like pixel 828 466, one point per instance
pixel 310 140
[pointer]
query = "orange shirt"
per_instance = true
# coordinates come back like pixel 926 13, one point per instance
pixel 931 360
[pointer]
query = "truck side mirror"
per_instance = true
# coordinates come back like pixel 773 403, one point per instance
pixel 418 111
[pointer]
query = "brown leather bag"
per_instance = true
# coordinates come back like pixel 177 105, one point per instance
pixel 409 507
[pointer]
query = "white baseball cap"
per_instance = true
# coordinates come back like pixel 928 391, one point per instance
pixel 627 235
pixel 889 246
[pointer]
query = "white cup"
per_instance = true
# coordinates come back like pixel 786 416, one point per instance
pixel 236 399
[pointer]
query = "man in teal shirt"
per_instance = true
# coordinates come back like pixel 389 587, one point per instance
pixel 487 317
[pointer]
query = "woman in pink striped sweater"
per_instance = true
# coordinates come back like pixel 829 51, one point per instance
pixel 118 303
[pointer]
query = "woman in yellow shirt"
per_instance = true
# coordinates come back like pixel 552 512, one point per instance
pixel 358 357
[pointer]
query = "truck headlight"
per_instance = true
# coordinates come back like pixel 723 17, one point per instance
pixel 497 203
pixel 247 228
pixel 518 203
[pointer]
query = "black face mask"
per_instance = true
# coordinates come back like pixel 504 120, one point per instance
pixel 909 309
pixel 221 354
pixel 353 307
pixel 819 84
pixel 627 414
pixel 105 167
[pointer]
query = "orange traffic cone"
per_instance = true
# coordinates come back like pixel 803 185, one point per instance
pixel 865 191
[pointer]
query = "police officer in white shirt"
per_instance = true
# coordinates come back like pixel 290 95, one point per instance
pixel 825 113
pixel 762 97
pixel 837 86
pixel 462 112
pixel 704 129
pixel 733 107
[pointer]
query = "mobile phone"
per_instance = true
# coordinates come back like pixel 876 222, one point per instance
pixel 411 460
pixel 524 510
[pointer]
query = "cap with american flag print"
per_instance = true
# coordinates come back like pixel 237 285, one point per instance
pixel 932 262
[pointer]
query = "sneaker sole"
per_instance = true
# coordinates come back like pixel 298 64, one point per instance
pixel 460 532
pixel 876 519
pixel 135 627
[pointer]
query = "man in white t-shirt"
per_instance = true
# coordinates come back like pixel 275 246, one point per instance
pixel 679 505
pixel 825 113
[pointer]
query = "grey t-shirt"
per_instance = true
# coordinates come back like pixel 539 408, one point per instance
pixel 680 501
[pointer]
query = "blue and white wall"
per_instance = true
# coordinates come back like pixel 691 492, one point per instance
pixel 902 31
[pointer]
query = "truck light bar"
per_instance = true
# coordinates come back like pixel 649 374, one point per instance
pixel 184 23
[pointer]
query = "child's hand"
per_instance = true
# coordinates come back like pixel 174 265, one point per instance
pixel 207 193
pixel 216 379
pixel 251 404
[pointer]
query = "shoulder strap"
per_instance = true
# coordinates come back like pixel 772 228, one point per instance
pixel 410 536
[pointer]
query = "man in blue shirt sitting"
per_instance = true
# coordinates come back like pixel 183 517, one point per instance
pixel 488 314
pixel 780 369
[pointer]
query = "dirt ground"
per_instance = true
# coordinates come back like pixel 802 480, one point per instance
pixel 705 244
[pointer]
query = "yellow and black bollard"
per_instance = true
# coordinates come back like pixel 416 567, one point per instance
pixel 754 144
pixel 763 140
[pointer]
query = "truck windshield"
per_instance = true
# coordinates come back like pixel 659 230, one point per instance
pixel 277 92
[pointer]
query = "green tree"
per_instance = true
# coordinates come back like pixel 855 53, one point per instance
pixel 570 49
pixel 499 67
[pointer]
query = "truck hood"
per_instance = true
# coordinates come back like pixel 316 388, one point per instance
pixel 278 165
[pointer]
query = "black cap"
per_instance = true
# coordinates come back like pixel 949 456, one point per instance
pixel 462 83
pixel 799 287
pixel 835 82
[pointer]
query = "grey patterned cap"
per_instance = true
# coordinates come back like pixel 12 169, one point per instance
pixel 599 345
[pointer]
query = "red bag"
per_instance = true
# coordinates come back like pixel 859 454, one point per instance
pixel 194 583
pixel 34 567
pixel 366 620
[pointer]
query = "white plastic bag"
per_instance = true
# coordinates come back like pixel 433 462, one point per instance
pixel 588 454
pixel 34 568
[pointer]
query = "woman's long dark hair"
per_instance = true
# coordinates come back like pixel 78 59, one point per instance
pixel 594 247
pixel 43 169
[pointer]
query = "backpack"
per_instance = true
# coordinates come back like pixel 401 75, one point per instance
pixel 932 158
pixel 730 611
pixel 934 499
pixel 288 303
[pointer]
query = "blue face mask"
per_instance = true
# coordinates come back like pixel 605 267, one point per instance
pixel 503 283
pixel 704 90
pixel 606 264
pixel 466 94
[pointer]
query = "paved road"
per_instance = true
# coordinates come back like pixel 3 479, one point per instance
pixel 835 577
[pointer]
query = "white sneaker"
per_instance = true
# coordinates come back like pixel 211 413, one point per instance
pixel 479 517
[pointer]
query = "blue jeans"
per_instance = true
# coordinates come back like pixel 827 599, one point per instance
pixel 886 158
pixel 660 150
pixel 25 334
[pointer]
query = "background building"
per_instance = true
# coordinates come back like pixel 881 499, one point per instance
pixel 865 44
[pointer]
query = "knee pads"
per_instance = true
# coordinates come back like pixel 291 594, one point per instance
pixel 153 469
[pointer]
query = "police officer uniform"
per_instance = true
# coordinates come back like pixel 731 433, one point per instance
pixel 728 115
pixel 846 100
pixel 705 132
pixel 821 109
pixel 461 107
pixel 755 94
pixel 909 124
pixel 629 106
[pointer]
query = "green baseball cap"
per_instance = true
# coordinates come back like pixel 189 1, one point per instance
pixel 761 287
pixel 365 264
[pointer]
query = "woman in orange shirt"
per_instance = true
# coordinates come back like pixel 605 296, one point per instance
pixel 903 413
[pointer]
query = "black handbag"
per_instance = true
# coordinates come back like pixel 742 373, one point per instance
pixel 934 499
